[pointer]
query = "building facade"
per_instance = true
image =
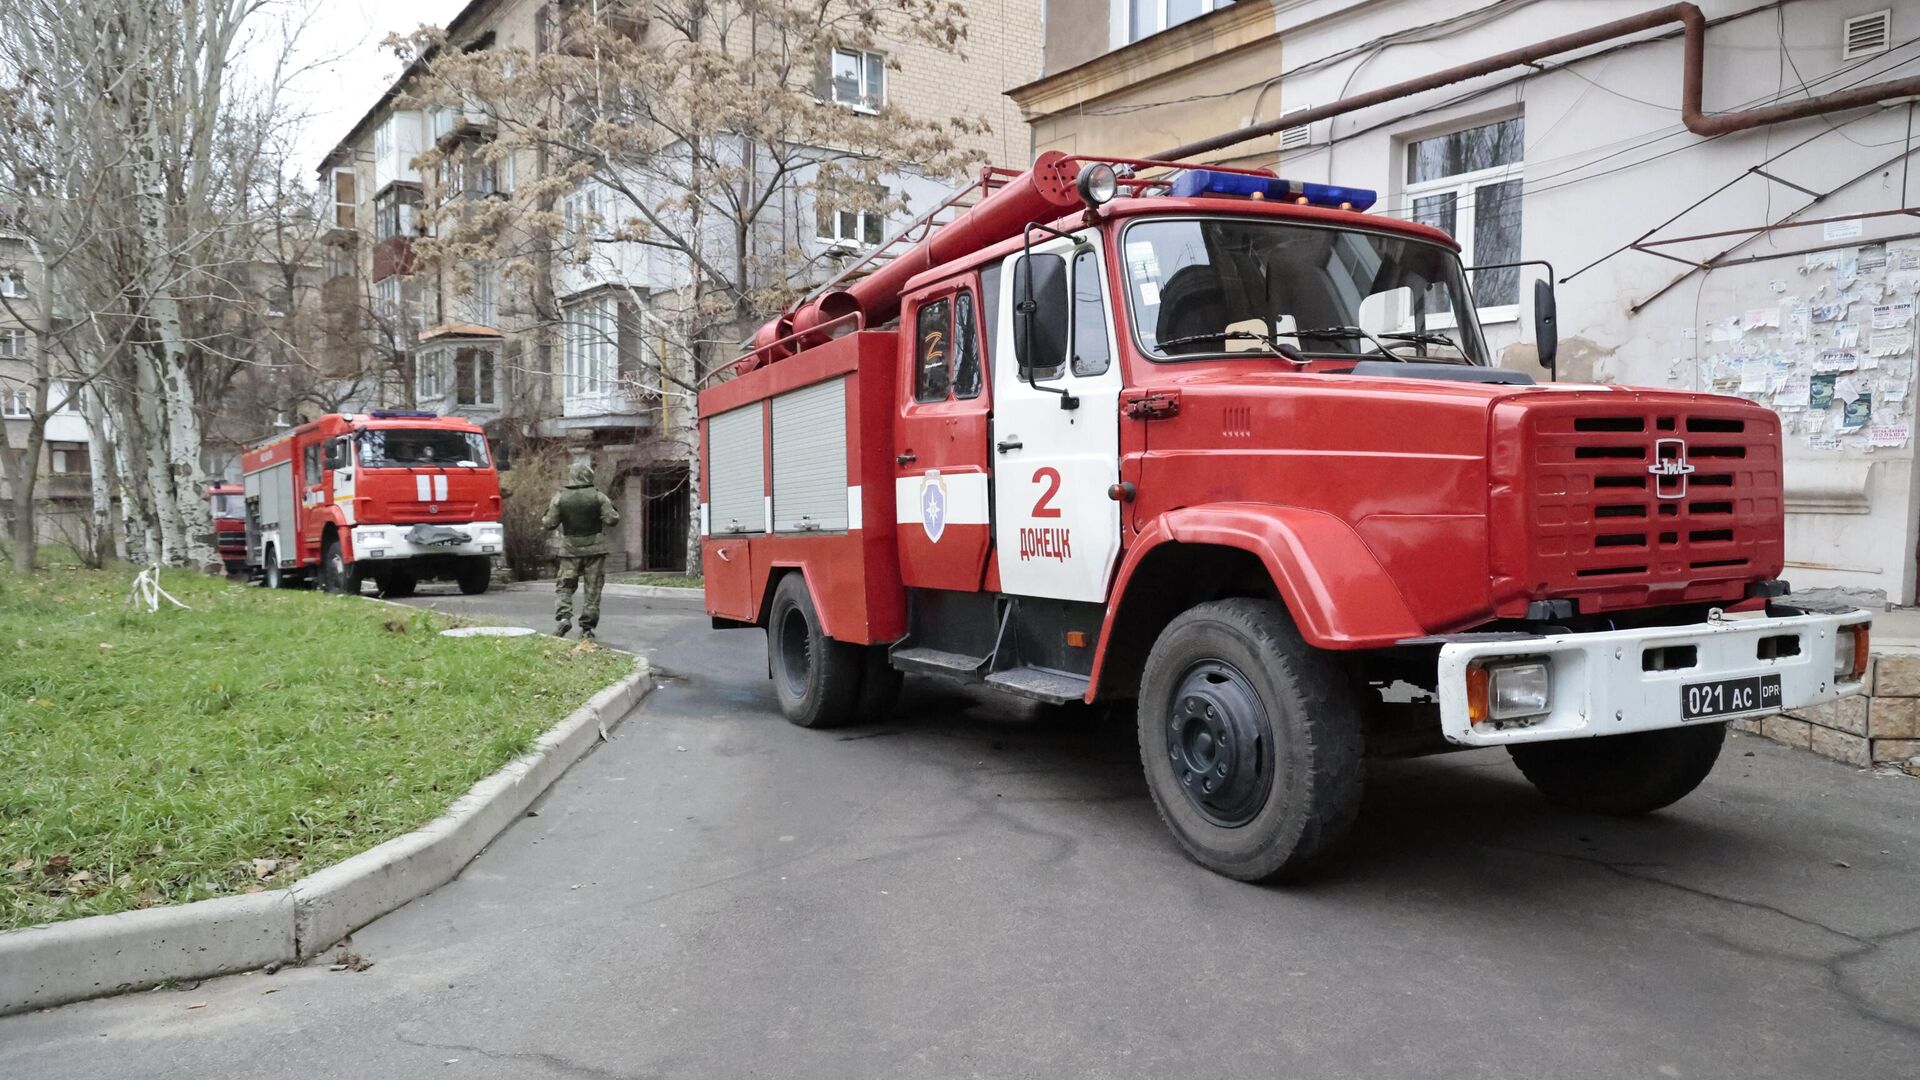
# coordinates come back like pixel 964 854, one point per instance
pixel 1682 261
pixel 576 351
pixel 63 490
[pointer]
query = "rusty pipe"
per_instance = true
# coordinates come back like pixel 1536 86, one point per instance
pixel 1691 79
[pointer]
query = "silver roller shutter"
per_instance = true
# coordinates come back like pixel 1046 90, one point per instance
pixel 810 459
pixel 737 472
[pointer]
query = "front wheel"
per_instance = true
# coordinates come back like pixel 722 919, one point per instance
pixel 474 575
pixel 1622 775
pixel 335 575
pixel 1251 740
pixel 816 678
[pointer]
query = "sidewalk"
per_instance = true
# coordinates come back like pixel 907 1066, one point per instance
pixel 1896 632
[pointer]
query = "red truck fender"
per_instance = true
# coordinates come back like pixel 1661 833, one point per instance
pixel 1334 587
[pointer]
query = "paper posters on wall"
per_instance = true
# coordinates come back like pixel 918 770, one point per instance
pixel 1855 411
pixel 1843 230
pixel 1820 391
pixel 1821 260
pixel 1836 360
pixel 1873 259
pixel 1760 317
pixel 1833 311
pixel 1893 433
pixel 1903 256
pixel 1846 335
pixel 1754 373
pixel 1888 316
pixel 1891 342
pixel 1793 390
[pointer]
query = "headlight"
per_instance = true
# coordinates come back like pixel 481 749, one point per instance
pixel 1850 653
pixel 1097 183
pixel 1512 690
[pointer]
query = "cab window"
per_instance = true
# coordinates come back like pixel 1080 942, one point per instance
pixel 312 462
pixel 1091 353
pixel 933 351
pixel 966 348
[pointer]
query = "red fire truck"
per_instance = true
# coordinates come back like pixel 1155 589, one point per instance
pixel 394 497
pixel 228 505
pixel 1225 447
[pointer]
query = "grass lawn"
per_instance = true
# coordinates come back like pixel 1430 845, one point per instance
pixel 159 758
pixel 672 581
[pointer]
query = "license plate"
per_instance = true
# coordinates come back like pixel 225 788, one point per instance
pixel 1729 696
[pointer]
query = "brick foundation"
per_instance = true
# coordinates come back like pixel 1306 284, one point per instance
pixel 1878 727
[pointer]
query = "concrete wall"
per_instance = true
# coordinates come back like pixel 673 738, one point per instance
pixel 1606 161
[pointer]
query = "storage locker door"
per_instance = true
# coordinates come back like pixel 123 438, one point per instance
pixel 736 443
pixel 810 459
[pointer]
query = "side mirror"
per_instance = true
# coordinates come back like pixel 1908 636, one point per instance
pixel 1040 315
pixel 1546 326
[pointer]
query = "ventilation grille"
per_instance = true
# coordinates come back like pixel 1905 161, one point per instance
pixel 1294 138
pixel 1864 35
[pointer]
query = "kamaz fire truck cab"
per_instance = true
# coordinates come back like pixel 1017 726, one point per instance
pixel 1225 446
pixel 393 497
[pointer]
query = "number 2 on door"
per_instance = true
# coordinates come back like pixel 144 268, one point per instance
pixel 1044 507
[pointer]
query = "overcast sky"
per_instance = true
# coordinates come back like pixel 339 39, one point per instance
pixel 341 91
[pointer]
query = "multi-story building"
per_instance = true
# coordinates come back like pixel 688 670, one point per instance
pixel 1681 259
pixel 544 347
pixel 62 491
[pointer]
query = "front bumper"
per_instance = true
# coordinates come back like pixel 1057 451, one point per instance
pixel 377 543
pixel 1600 685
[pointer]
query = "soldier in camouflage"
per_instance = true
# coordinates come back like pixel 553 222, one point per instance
pixel 581 512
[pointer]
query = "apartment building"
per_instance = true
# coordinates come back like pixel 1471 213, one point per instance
pixel 1680 259
pixel 561 349
pixel 63 489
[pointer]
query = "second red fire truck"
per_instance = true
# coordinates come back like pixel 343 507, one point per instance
pixel 395 498
pixel 1230 450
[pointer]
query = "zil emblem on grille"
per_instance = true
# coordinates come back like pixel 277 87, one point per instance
pixel 1670 464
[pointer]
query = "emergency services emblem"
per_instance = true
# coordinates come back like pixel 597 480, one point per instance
pixel 933 504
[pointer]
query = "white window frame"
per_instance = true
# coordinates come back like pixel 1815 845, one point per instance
pixel 836 239
pixel 352 208
pixel 18 343
pixel 1133 33
pixel 482 305
pixel 389 302
pixel 582 204
pixel 16 402
pixel 13 284
pixel 871 98
pixel 1463 187
pixel 428 380
pixel 486 393
pixel 590 355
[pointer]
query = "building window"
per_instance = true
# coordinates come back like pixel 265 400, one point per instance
pixel 426 377
pixel 13 284
pixel 387 305
pixel 473 377
pixel 344 200
pixel 592 353
pixel 340 261
pixel 857 79
pixel 16 402
pixel 13 343
pixel 585 211
pixel 1146 18
pixel 1468 184
pixel 395 212
pixel 845 228
pixel 68 458
pixel 481 304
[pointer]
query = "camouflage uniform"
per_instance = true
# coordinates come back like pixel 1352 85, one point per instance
pixel 580 511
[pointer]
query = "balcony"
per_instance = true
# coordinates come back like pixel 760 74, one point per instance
pixel 451 125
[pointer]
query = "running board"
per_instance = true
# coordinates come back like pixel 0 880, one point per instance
pixel 924 661
pixel 1041 684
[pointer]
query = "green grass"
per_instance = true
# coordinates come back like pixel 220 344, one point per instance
pixel 672 581
pixel 159 758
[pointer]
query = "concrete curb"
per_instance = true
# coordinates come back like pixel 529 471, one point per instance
pixel 106 954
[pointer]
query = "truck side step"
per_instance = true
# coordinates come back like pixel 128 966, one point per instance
pixel 920 660
pixel 1041 684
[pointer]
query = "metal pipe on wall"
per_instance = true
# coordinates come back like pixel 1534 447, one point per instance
pixel 1691 81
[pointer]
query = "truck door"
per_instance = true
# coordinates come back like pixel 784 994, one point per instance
pixel 338 459
pixel 940 440
pixel 1056 448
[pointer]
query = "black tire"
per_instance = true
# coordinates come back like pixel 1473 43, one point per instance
pixel 1233 697
pixel 880 685
pixel 816 678
pixel 397 584
pixel 270 575
pixel 475 574
pixel 1622 775
pixel 335 575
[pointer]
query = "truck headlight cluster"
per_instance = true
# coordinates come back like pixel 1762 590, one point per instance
pixel 1850 653
pixel 1509 690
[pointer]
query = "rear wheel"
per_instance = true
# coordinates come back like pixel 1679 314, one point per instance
pixel 1622 774
pixel 270 576
pixel 475 574
pixel 816 678
pixel 1251 741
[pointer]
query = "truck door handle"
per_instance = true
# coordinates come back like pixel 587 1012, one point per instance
pixel 1010 443
pixel 907 458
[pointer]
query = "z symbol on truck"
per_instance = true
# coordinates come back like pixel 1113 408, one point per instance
pixel 933 504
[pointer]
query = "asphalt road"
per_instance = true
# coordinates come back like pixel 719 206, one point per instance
pixel 982 890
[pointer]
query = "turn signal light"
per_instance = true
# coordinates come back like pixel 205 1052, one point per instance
pixel 1851 653
pixel 1479 681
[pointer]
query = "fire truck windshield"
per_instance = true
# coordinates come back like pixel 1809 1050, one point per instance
pixel 1211 287
pixel 407 448
pixel 229 506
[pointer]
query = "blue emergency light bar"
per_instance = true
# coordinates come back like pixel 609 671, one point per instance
pixel 1196 183
pixel 393 414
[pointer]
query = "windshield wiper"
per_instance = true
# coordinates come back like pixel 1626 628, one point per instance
pixel 1285 352
pixel 1325 333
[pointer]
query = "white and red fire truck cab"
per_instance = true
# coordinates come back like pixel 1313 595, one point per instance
pixel 392 497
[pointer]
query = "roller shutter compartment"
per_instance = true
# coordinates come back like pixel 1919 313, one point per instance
pixel 810 459
pixel 737 472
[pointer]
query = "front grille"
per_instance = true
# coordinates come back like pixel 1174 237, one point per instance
pixel 1628 500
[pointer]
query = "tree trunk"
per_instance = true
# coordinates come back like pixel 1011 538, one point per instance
pixel 106 539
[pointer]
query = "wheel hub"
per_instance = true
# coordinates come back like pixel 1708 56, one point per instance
pixel 1218 740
